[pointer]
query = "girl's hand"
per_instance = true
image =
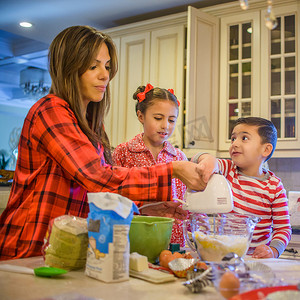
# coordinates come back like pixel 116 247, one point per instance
pixel 264 251
pixel 168 209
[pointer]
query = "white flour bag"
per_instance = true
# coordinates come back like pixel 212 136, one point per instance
pixel 108 230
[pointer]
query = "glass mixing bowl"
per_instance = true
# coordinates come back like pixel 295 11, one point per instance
pixel 214 236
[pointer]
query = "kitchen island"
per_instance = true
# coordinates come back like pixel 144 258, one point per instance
pixel 75 285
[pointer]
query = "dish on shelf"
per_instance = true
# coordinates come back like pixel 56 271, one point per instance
pixel 276 34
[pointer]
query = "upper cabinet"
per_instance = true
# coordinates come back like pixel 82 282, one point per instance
pixel 149 52
pixel 280 70
pixel 223 63
pixel 202 83
pixel 258 72
pixel 180 52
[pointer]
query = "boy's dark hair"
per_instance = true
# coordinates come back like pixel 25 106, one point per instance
pixel 266 130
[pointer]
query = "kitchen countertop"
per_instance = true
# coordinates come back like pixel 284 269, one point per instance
pixel 75 285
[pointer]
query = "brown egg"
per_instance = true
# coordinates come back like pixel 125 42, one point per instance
pixel 165 257
pixel 229 285
pixel 177 255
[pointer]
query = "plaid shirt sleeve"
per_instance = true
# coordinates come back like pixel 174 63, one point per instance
pixel 56 167
pixel 57 133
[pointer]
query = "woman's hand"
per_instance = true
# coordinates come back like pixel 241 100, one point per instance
pixel 190 174
pixel 264 251
pixel 168 209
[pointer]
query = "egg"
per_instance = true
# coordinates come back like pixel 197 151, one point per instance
pixel 177 255
pixel 166 256
pixel 229 285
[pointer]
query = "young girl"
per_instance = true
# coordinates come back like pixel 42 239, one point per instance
pixel 157 110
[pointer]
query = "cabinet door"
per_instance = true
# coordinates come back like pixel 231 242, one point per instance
pixel 166 68
pixel 134 71
pixel 201 119
pixel 239 72
pixel 280 71
pixel 112 118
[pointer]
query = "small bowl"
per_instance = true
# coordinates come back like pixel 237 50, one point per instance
pixel 252 275
pixel 180 266
pixel 150 235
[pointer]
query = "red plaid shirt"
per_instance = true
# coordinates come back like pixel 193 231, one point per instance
pixel 57 165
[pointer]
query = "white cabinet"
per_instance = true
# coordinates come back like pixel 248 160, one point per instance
pixel 179 52
pixel 134 71
pixel 149 52
pixel 239 71
pixel 281 60
pixel 259 71
pixel 202 84
pixel 223 63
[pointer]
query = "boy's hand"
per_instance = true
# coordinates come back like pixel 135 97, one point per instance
pixel 264 251
pixel 190 174
pixel 208 165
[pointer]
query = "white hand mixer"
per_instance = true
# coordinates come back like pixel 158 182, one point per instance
pixel 216 198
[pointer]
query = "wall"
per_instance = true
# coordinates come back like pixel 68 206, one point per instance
pixel 288 170
pixel 11 116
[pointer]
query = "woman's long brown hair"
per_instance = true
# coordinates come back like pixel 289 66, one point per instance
pixel 70 55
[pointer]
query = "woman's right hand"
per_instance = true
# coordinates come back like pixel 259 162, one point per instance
pixel 190 174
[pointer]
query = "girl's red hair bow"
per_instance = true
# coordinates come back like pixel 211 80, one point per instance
pixel 172 92
pixel 142 95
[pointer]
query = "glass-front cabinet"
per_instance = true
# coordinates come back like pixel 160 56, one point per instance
pixel 280 82
pixel 283 76
pixel 239 62
pixel 259 72
pixel 239 67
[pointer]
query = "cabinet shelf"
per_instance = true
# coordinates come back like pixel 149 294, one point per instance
pixel 290 115
pixel 278 70
pixel 288 39
pixel 286 115
pixel 243 73
pixel 243 45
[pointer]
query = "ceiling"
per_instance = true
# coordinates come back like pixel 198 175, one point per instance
pixel 23 47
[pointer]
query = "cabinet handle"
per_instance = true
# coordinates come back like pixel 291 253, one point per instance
pixel 192 143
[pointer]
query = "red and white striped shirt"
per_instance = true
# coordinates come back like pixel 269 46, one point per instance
pixel 264 198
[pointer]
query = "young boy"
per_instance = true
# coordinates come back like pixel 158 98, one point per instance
pixel 255 190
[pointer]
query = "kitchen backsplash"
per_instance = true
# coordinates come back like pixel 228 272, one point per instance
pixel 288 170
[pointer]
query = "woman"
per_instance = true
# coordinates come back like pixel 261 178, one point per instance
pixel 64 151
